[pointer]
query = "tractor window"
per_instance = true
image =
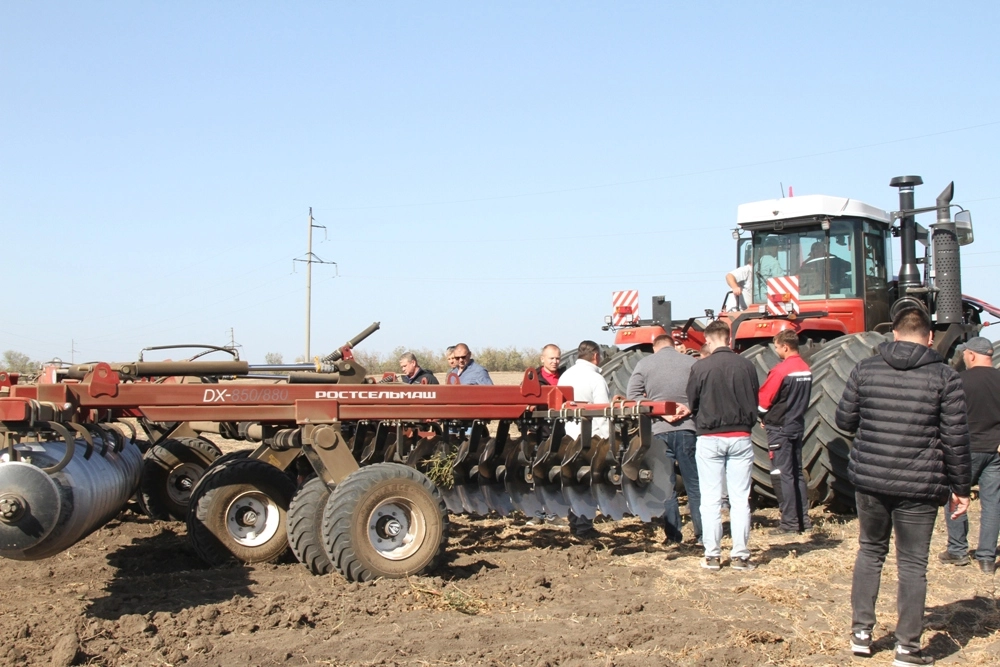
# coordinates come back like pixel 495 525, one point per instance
pixel 823 260
pixel 875 268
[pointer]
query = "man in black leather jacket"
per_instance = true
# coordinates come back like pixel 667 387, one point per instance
pixel 909 457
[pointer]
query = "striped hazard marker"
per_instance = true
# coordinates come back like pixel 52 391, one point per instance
pixel 625 307
pixel 782 295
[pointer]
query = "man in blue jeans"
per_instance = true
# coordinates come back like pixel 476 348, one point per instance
pixel 722 392
pixel 982 397
pixel 663 377
pixel 910 455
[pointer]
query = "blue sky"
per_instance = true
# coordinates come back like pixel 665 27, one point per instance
pixel 486 172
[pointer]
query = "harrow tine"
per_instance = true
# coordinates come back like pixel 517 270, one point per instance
pixel 473 499
pixel 551 497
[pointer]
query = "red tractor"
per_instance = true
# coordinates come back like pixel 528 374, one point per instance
pixel 822 266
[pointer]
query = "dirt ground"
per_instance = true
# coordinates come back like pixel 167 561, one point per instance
pixel 134 593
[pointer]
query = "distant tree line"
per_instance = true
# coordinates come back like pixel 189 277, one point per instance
pixel 18 362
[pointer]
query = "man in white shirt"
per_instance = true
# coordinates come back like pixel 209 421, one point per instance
pixel 741 280
pixel 589 386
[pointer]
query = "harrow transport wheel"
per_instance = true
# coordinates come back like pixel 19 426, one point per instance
pixel 764 358
pixel 618 369
pixel 305 525
pixel 831 368
pixel 170 471
pixel 238 511
pixel 384 520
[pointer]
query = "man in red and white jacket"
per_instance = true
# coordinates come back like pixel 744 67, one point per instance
pixel 782 404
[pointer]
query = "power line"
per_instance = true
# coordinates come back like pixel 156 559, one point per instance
pixel 670 176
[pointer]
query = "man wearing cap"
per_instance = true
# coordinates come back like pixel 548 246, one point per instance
pixel 982 396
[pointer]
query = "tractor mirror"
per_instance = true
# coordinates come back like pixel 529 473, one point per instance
pixel 963 227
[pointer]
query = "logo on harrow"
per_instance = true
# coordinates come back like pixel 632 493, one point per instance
pixel 370 395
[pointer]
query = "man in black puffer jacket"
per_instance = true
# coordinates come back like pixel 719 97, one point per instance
pixel 910 455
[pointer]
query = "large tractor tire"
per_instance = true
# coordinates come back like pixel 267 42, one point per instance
pixel 618 368
pixel 170 471
pixel 239 511
pixel 831 368
pixel 569 357
pixel 305 525
pixel 385 520
pixel 764 358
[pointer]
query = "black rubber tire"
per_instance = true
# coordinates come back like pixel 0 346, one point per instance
pixel 832 367
pixel 764 358
pixel 618 369
pixel 391 487
pixel 170 471
pixel 569 357
pixel 305 526
pixel 222 492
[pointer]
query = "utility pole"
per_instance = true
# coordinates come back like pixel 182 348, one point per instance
pixel 72 350
pixel 309 260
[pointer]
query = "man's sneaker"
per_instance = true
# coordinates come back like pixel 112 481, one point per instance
pixel 949 558
pixel 742 564
pixel 861 642
pixel 781 532
pixel 711 563
pixel 987 566
pixel 907 657
pixel 555 520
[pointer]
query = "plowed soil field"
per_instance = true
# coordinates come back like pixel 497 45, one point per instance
pixel 134 593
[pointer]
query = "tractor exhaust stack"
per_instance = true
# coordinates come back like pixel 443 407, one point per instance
pixel 909 275
pixel 947 263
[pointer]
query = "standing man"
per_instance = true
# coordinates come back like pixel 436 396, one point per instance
pixel 412 373
pixel 722 391
pixel 548 372
pixel 450 357
pixel 663 376
pixel 469 372
pixel 782 405
pixel 982 396
pixel 589 386
pixel 911 454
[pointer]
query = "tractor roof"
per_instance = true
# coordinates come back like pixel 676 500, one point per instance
pixel 807 207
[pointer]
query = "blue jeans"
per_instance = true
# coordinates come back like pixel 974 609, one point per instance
pixel 913 523
pixel 681 448
pixel 985 472
pixel 726 460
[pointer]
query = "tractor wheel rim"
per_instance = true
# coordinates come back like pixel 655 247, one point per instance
pixel 396 528
pixel 252 519
pixel 181 480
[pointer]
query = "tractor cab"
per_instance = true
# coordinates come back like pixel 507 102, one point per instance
pixel 818 264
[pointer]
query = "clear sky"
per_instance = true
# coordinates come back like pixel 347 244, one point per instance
pixel 486 172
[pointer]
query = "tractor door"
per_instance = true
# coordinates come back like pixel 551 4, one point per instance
pixel 878 300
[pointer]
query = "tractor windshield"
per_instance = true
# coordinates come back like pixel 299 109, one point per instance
pixel 823 260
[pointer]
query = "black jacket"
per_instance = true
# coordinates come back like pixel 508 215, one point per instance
pixel 722 391
pixel 422 374
pixel 908 408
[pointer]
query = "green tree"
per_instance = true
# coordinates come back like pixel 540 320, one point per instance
pixel 273 359
pixel 18 362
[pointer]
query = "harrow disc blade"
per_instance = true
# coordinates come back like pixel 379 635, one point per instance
pixel 551 496
pixel 452 500
pixel 497 499
pixel 522 495
pixel 610 500
pixel 647 500
pixel 581 498
pixel 472 498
